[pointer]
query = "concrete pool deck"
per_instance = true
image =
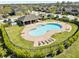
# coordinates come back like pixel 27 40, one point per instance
pixel 65 27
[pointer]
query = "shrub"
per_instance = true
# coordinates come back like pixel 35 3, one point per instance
pixel 75 37
pixel 71 40
pixel 67 44
pixel 60 48
pixel 6 25
pixel 53 52
pixel 64 19
pixel 40 53
pixel 77 34
pixel 2 52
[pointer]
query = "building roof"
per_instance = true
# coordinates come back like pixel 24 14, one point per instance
pixel 29 17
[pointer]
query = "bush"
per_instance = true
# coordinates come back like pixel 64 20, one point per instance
pixel 2 52
pixel 38 54
pixel 64 19
pixel 60 48
pixel 75 37
pixel 71 40
pixel 4 16
pixel 53 52
pixel 68 43
pixel 77 34
pixel 6 25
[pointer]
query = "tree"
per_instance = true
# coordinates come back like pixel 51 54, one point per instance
pixel 60 48
pixel 67 44
pixel 7 10
pixel 56 17
pixel 52 9
pixel 2 52
pixel 37 54
pixel 57 4
pixel 71 40
pixel 52 51
pixel 74 37
pixel 49 16
pixel 63 2
pixel 6 24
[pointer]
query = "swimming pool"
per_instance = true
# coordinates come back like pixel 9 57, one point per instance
pixel 43 28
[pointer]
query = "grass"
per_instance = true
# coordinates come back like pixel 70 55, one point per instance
pixel 71 52
pixel 64 35
pixel 14 34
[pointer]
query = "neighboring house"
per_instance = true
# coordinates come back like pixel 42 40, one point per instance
pixel 38 13
pixel 42 9
pixel 59 10
pixel 68 10
pixel 72 11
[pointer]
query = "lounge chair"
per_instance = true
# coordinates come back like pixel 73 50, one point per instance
pixel 39 43
pixel 42 42
pixel 49 40
pixel 46 42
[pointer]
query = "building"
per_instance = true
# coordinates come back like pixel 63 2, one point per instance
pixel 68 10
pixel 59 10
pixel 28 19
pixel 72 11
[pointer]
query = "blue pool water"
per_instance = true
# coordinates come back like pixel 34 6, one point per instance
pixel 42 29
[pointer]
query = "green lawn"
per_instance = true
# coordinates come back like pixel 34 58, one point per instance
pixel 71 52
pixel 14 34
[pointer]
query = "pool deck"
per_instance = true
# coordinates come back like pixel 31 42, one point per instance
pixel 65 27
